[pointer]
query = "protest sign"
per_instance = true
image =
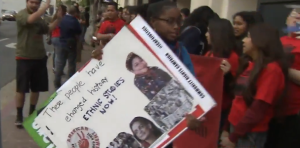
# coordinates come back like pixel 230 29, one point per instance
pixel 34 129
pixel 136 96
pixel 210 75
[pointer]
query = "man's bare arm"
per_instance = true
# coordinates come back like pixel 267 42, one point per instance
pixel 294 75
pixel 36 15
pixel 104 36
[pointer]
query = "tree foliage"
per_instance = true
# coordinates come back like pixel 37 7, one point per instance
pixel 84 3
pixel 69 2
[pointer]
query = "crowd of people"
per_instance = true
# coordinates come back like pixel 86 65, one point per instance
pixel 260 104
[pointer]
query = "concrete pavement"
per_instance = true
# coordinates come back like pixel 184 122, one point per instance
pixel 8 38
pixel 11 136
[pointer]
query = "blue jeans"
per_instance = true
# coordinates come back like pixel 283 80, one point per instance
pixel 252 140
pixel 83 29
pixel 55 43
pixel 62 54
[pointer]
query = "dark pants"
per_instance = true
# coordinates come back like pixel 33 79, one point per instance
pixel 32 75
pixel 284 134
pixel 62 55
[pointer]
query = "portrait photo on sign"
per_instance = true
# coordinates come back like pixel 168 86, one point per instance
pixel 169 101
pixel 124 140
pixel 145 131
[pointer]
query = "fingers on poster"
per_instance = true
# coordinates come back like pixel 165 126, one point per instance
pixel 83 137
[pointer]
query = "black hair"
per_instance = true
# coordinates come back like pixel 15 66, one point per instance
pixel 155 130
pixel 266 39
pixel 257 17
pixel 129 60
pixel 247 17
pixel 185 11
pixel 64 10
pixel 251 18
pixel 222 37
pixel 142 11
pixel 113 4
pixel 158 8
pixel 222 44
pixel 132 9
pixel 200 18
pixel 120 9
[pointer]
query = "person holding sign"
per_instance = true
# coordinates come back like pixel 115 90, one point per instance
pixel 165 18
pixel 31 55
pixel 220 37
pixel 259 89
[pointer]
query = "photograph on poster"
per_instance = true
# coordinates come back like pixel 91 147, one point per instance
pixel 124 140
pixel 170 105
pixel 169 102
pixel 145 131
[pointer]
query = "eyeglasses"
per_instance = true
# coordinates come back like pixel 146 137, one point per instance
pixel 171 22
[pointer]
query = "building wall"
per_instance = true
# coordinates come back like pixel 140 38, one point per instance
pixel 183 3
pixel 225 8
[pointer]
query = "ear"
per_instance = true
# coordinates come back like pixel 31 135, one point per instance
pixel 152 23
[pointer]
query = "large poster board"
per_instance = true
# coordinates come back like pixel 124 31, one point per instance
pixel 136 96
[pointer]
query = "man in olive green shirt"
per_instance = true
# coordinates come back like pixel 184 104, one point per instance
pixel 32 75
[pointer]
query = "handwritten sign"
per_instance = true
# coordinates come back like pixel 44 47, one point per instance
pixel 136 96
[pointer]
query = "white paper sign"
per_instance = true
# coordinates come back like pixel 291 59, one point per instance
pixel 137 96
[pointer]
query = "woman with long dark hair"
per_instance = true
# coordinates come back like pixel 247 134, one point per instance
pixel 194 29
pixel 221 41
pixel 145 131
pixel 259 90
pixel 242 22
pixel 56 32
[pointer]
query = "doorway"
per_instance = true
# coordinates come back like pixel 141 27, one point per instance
pixel 276 14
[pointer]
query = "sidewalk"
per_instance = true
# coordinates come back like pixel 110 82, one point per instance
pixel 18 138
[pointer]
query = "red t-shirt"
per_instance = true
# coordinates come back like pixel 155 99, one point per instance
pixel 111 27
pixel 292 45
pixel 56 32
pixel 269 86
pixel 234 62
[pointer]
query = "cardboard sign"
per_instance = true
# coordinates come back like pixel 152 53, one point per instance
pixel 137 96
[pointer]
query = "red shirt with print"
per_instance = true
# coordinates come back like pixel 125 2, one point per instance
pixel 292 45
pixel 269 86
pixel 234 62
pixel 111 26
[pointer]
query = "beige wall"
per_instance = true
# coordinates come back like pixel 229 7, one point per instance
pixel 241 5
pixel 183 3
